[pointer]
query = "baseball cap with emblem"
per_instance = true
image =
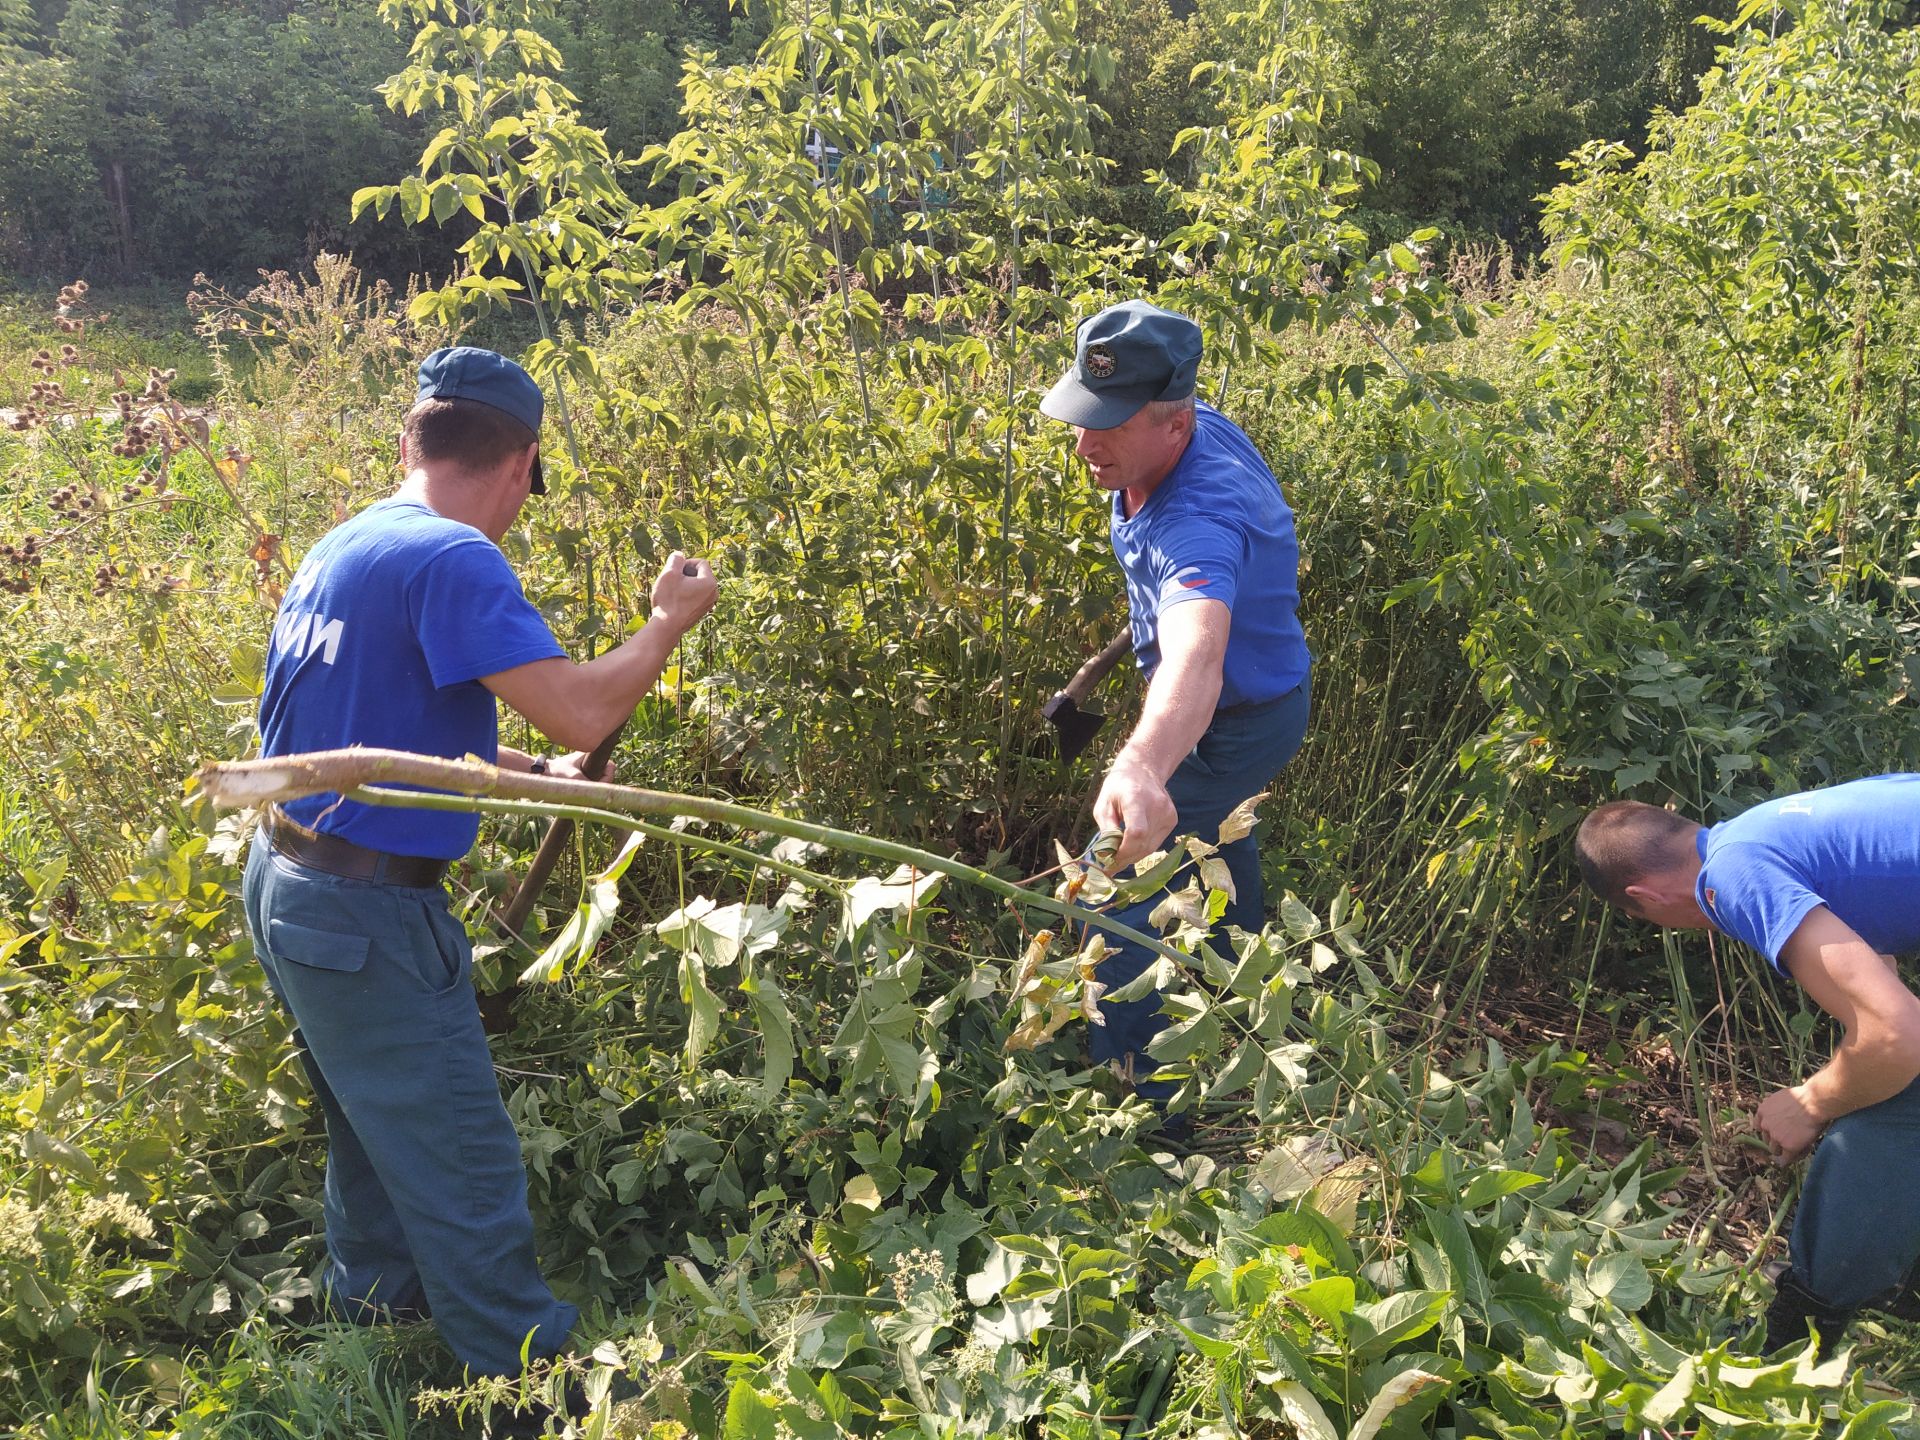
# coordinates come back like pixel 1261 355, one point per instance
pixel 1123 358
pixel 466 372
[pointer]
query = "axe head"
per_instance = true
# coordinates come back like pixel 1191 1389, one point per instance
pixel 496 1010
pixel 1073 728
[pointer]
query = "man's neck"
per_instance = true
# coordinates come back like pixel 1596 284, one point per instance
pixel 1134 496
pixel 456 498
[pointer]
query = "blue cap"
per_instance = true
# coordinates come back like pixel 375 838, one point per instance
pixel 1123 358
pixel 466 372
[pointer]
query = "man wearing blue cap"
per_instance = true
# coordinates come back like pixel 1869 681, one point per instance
pixel 400 629
pixel 1205 541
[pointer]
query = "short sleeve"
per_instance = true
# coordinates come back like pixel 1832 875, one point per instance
pixel 1752 894
pixel 1196 558
pixel 473 619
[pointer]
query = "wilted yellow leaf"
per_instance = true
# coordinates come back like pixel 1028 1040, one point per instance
pixel 1239 824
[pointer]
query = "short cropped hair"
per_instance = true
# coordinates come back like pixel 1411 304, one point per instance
pixel 1624 841
pixel 473 437
pixel 1165 411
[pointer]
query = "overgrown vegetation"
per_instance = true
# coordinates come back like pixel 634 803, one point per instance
pixel 149 140
pixel 811 1139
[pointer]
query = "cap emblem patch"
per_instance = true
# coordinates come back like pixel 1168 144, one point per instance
pixel 1099 361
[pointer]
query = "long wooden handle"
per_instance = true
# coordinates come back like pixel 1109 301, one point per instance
pixel 1097 667
pixel 559 831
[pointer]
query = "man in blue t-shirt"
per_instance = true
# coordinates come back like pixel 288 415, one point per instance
pixel 1825 885
pixel 1205 541
pixel 402 628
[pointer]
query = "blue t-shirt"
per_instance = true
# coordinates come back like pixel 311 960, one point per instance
pixel 1217 528
pixel 1854 848
pixel 380 641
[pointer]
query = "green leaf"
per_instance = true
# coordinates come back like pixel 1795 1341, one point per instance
pixel 703 1006
pixel 986 1283
pixel 598 905
pixel 748 1416
pixel 770 1013
pixel 1378 1327
pixel 1492 1184
pixel 1329 1299
pixel 1621 1279
pixel 1671 1400
pixel 904 888
pixel 50 1150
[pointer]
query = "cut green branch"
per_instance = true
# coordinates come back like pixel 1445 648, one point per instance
pixel 475 785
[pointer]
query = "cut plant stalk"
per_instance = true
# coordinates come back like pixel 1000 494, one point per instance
pixel 361 774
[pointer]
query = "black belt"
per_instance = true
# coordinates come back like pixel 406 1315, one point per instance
pixel 335 856
pixel 1247 707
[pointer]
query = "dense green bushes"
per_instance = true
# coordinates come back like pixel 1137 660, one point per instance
pixel 1637 522
pixel 150 140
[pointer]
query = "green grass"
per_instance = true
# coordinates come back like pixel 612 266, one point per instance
pixel 146 325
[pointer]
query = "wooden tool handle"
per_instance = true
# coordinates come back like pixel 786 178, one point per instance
pixel 1097 667
pixel 559 831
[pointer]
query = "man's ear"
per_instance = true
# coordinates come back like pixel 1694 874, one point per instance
pixel 1634 900
pixel 403 452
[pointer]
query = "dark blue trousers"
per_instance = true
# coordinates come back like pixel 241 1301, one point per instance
pixel 1856 1234
pixel 1241 752
pixel 426 1194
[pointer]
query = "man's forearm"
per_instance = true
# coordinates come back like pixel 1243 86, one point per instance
pixel 1178 709
pixel 581 704
pixel 1863 1071
pixel 610 686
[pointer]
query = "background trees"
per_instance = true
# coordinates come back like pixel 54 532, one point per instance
pixel 161 138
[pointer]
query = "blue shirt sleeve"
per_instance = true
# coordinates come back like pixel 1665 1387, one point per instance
pixel 472 618
pixel 1197 559
pixel 1752 894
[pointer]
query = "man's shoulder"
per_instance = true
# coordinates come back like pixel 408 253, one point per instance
pixel 403 532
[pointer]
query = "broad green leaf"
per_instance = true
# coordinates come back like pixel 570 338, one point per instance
pixel 986 1283
pixel 1670 1401
pixel 1378 1327
pixel 902 889
pixel 748 1416
pixel 1620 1278
pixel 775 1022
pixel 1013 1322
pixel 1492 1184
pixel 598 905
pixel 1330 1299
pixel 703 1006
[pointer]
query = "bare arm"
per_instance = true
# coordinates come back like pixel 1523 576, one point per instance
pixel 580 705
pixel 1879 1051
pixel 1179 706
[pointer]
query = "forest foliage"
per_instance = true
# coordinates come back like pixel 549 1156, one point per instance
pixel 810 1138
pixel 164 140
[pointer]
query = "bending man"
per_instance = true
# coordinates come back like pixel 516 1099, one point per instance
pixel 399 629
pixel 1826 885
pixel 1205 541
